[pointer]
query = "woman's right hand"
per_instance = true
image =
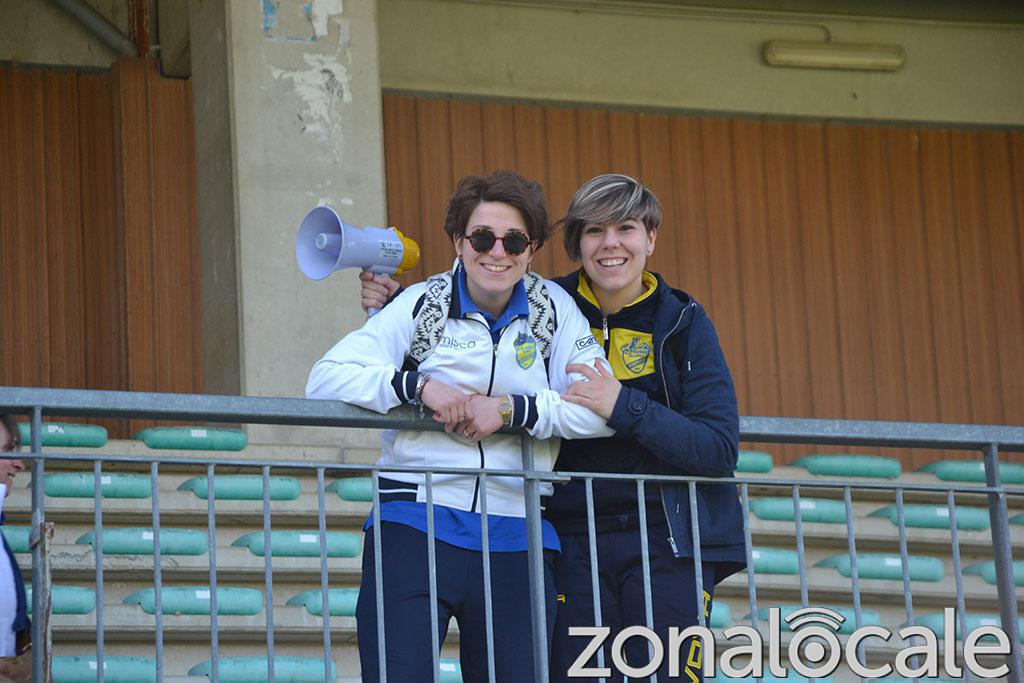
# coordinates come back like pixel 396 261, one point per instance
pixel 447 402
pixel 376 289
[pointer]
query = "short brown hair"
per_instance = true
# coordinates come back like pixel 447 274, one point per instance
pixel 8 422
pixel 507 187
pixel 608 198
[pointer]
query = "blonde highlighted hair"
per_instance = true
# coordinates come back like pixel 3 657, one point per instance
pixel 604 199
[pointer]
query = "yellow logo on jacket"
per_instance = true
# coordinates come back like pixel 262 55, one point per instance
pixel 526 350
pixel 630 352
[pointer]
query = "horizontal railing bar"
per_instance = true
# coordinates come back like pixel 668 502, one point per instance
pixel 297 411
pixel 880 433
pixel 206 407
pixel 553 477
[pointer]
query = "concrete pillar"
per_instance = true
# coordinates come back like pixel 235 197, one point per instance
pixel 288 115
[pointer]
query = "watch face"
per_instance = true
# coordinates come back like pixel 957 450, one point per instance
pixel 505 408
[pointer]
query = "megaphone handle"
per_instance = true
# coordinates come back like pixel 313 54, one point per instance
pixel 370 312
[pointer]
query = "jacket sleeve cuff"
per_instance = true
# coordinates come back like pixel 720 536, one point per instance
pixel 524 411
pixel 629 407
pixel 404 384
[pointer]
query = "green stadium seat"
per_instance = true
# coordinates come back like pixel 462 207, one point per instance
pixel 66 434
pixel 937 516
pixel 935 622
pixel 869 617
pixel 754 461
pixel 139 541
pixel 973 471
pixel 243 487
pixel 358 489
pixel 303 543
pixel 874 466
pixel 1017 519
pixel 987 572
pixel 83 485
pixel 888 566
pixel 257 669
pixel 196 600
pixel 775 561
pixel 821 510
pixel 193 438
pixel 341 601
pixel 18 537
pixel 67 599
pixel 115 669
pixel 450 671
pixel 721 615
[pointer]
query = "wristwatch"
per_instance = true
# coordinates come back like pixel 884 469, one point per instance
pixel 505 408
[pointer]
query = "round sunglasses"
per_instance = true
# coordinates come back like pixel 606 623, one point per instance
pixel 515 242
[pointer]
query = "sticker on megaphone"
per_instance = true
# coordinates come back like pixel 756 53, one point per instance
pixel 326 243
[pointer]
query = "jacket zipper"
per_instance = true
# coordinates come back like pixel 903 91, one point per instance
pixel 604 333
pixel 668 404
pixel 479 444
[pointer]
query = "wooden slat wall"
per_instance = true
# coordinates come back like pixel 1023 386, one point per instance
pixel 98 242
pixel 853 271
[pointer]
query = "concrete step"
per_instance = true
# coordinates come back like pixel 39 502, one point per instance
pixel 361 451
pixel 77 563
pixel 873 533
pixel 828 586
pixel 184 508
pixel 180 656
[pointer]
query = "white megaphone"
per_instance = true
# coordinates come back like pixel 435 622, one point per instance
pixel 326 243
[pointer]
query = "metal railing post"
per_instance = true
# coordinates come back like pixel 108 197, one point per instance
pixel 535 557
pixel 158 605
pixel 40 581
pixel 97 483
pixel 999 519
pixel 268 576
pixel 325 589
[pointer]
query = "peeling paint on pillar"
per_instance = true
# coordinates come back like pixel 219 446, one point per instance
pixel 321 88
pixel 303 23
pixel 323 85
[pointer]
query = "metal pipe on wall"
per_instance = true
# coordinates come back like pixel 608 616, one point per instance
pixel 99 25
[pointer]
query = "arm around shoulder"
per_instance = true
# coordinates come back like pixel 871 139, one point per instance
pixel 572 343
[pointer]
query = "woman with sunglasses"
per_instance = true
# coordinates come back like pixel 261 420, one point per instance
pixel 671 401
pixel 486 371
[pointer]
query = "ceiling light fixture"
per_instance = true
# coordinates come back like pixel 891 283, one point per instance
pixel 818 55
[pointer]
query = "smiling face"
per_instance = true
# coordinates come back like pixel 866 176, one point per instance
pixel 614 256
pixel 8 468
pixel 491 276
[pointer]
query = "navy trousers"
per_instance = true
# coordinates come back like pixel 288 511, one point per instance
pixel 460 593
pixel 620 579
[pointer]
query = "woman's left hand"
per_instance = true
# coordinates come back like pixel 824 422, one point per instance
pixel 598 392
pixel 481 418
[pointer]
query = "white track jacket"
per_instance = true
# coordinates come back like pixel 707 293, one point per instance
pixel 359 370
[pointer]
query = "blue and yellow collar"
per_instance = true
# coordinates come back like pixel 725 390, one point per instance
pixel 649 280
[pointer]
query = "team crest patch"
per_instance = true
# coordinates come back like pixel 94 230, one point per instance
pixel 635 355
pixel 526 350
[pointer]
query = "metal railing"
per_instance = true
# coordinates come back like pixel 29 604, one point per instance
pixel 37 403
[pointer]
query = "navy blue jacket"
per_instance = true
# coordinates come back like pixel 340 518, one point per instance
pixel 21 621
pixel 691 426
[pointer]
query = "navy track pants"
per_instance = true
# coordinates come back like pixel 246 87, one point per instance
pixel 460 594
pixel 620 578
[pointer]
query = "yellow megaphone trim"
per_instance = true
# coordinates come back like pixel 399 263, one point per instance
pixel 410 253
